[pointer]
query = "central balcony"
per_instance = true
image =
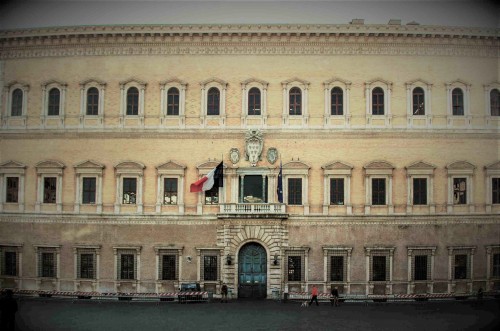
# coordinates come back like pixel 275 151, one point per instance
pixel 252 210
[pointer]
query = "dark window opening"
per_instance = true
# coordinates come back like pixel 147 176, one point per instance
pixel 457 97
pixel 336 268
pixel 379 268
pixel 495 270
pixel 170 191
pixel 460 266
pixel 87 266
pixel 294 191
pixel 129 191
pixel 337 96
pixel 495 190
pixel 377 101
pixel 49 189
pixel 420 272
pixel 168 267
pixel 92 101
pixel 295 100
pixel 17 103
pixel 213 102
pixel 127 266
pixel 495 102
pixel 254 106
pixel 378 191
pixel 254 189
pixel 88 190
pixel 133 101
pixel 336 191
pixel 459 191
pixel 10 264
pixel 48 265
pixel 294 268
pixel 212 196
pixel 418 101
pixel 12 190
pixel 419 191
pixel 173 101
pixel 210 267
pixel 54 102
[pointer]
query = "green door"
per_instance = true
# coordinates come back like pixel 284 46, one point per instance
pixel 252 271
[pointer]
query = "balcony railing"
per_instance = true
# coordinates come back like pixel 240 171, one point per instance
pixel 258 209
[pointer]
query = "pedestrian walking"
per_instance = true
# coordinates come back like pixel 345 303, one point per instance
pixel 8 307
pixel 334 300
pixel 223 291
pixel 314 295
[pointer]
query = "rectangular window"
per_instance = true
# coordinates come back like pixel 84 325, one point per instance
pixel 49 189
pixel 460 266
pixel 212 196
pixel 294 268
pixel 129 191
pixel 12 189
pixel 9 267
pixel 48 261
pixel 294 191
pixel 419 191
pixel 170 191
pixel 379 268
pixel 173 103
pixel 420 267
pixel 88 190
pixel 495 190
pixel 336 191
pixel 495 270
pixel 127 266
pixel 459 191
pixel 87 266
pixel 168 267
pixel 336 268
pixel 378 191
pixel 209 267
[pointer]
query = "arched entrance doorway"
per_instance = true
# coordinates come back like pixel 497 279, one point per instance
pixel 252 271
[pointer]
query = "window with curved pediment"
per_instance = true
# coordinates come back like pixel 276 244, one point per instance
pixel 254 99
pixel 296 184
pixel 295 101
pixel 170 187
pixel 173 96
pixel 378 102
pixel 213 99
pixel 458 101
pixel 337 102
pixel 92 102
pixel 378 185
pixel 50 177
pixel 16 94
pixel 418 93
pixel 53 93
pixel 129 185
pixel 460 190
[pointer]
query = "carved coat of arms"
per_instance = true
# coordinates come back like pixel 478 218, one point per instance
pixel 253 146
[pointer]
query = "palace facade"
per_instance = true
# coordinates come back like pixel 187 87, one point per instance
pixel 387 137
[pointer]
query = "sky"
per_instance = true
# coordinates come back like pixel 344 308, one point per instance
pixel 45 13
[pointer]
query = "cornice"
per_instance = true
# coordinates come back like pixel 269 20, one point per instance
pixel 346 39
pixel 403 221
pixel 227 133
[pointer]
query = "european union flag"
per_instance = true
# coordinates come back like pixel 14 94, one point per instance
pixel 279 190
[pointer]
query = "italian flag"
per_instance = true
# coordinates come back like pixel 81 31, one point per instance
pixel 215 178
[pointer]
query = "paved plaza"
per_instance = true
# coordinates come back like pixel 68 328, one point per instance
pixel 63 314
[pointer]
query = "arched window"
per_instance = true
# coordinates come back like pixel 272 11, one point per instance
pixel 254 106
pixel 54 102
pixel 295 101
pixel 92 101
pixel 17 103
pixel 213 102
pixel 173 101
pixel 337 98
pixel 377 101
pixel 495 102
pixel 133 101
pixel 457 102
pixel 418 101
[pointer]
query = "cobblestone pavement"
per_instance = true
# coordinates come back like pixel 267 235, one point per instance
pixel 63 314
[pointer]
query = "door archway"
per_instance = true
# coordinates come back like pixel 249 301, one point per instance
pixel 252 271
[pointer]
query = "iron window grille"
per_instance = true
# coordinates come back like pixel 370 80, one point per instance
pixel 419 191
pixel 170 191
pixel 337 100
pixel 49 189
pixel 92 101
pixel 12 190
pixel 213 101
pixel 129 191
pixel 495 190
pixel 133 101
pixel 54 102
pixel 86 264
pixel 495 263
pixel 418 101
pixel 460 191
pixel 169 265
pixel 9 262
pixel 457 96
pixel 295 101
pixel 47 264
pixel 88 190
pixel 461 266
pixel 210 267
pixel 173 101
pixel 379 265
pixel 378 191
pixel 254 100
pixel 294 191
pixel 17 103
pixel 495 102
pixel 337 268
pixel 295 266
pixel 336 191
pixel 127 265
pixel 378 101
pixel 421 267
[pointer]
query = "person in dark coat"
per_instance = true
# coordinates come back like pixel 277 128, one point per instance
pixel 8 306
pixel 335 297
